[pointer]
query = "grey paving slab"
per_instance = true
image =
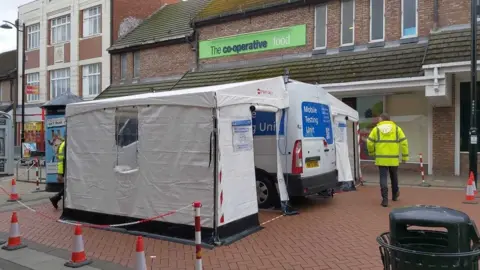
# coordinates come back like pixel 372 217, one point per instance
pixel 33 259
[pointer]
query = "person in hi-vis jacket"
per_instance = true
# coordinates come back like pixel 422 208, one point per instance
pixel 385 142
pixel 60 172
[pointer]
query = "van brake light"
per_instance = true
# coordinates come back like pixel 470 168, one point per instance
pixel 325 143
pixel 297 158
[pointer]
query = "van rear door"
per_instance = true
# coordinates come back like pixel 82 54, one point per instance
pixel 318 148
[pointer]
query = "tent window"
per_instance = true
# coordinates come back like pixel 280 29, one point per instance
pixel 126 131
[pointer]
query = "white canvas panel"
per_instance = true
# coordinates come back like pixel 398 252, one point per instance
pixel 341 146
pixel 174 154
pixel 237 167
pixel 352 147
pixel 90 160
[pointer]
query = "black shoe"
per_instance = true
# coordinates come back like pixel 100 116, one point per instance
pixel 54 203
pixel 385 202
pixel 395 196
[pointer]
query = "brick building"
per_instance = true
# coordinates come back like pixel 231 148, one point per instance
pixel 408 58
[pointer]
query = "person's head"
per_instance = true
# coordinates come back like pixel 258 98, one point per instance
pixel 384 117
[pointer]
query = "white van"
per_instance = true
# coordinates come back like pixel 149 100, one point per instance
pixel 308 149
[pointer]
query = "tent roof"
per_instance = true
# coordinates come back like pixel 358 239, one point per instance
pixel 266 92
pixel 340 108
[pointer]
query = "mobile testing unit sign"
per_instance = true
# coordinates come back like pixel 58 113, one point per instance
pixel 274 39
pixel 316 121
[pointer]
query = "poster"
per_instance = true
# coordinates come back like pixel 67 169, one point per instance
pixel 54 136
pixel 28 148
pixel 242 135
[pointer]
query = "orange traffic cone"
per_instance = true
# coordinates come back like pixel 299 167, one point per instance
pixel 78 253
pixel 14 195
pixel 14 240
pixel 470 192
pixel 140 263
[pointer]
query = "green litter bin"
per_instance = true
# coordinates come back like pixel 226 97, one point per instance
pixel 429 237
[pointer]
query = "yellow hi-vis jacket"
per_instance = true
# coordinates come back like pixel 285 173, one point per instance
pixel 61 157
pixel 385 142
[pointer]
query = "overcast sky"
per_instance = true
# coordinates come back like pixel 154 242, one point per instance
pixel 9 11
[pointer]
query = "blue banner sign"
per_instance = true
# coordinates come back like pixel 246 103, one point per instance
pixel 316 121
pixel 264 123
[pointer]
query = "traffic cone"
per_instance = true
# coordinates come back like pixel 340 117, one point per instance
pixel 14 239
pixel 470 192
pixel 79 258
pixel 13 194
pixel 140 263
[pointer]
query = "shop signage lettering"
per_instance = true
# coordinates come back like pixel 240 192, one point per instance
pixel 274 39
pixel 56 122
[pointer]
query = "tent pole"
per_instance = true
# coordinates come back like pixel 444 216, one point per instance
pixel 355 146
pixel 216 239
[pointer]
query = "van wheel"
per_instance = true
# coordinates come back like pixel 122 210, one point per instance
pixel 266 191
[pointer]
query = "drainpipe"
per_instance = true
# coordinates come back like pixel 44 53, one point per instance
pixel 435 14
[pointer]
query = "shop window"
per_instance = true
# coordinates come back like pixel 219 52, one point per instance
pixel 321 27
pixel 409 18
pixel 126 136
pixel 377 20
pixel 465 105
pixel 348 25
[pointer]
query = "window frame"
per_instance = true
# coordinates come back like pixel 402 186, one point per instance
pixel 341 24
pixel 30 81
pixel 33 33
pixel 371 23
pixel 123 66
pixel 86 75
pixel 326 27
pixel 403 20
pixel 87 19
pixel 67 25
pixel 67 78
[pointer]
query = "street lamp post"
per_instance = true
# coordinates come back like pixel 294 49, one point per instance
pixel 473 94
pixel 16 25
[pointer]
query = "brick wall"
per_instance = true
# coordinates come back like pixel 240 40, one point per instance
pixel 453 12
pixel 157 62
pixel 444 139
pixel 127 14
pixel 306 15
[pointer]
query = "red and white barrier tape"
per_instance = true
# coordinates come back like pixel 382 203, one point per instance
pixel 99 226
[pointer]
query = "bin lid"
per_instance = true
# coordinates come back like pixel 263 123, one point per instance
pixel 421 214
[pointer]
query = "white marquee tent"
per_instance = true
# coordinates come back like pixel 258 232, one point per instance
pixel 113 177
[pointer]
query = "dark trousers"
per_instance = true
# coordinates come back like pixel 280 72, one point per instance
pixel 57 197
pixel 384 171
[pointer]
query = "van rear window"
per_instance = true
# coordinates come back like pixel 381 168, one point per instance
pixel 317 121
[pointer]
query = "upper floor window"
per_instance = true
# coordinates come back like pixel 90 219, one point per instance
pixel 60 29
pixel 92 21
pixel 348 22
pixel 409 18
pixel 59 82
pixel 123 66
pixel 377 20
pixel 91 84
pixel 33 79
pixel 136 64
pixel 321 26
pixel 33 36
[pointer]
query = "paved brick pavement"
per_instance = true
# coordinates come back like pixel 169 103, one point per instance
pixel 328 234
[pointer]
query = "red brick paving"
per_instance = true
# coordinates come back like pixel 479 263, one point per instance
pixel 328 234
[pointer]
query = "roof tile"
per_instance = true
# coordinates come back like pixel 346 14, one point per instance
pixel 168 23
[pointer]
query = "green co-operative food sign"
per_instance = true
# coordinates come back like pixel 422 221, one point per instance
pixel 274 39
